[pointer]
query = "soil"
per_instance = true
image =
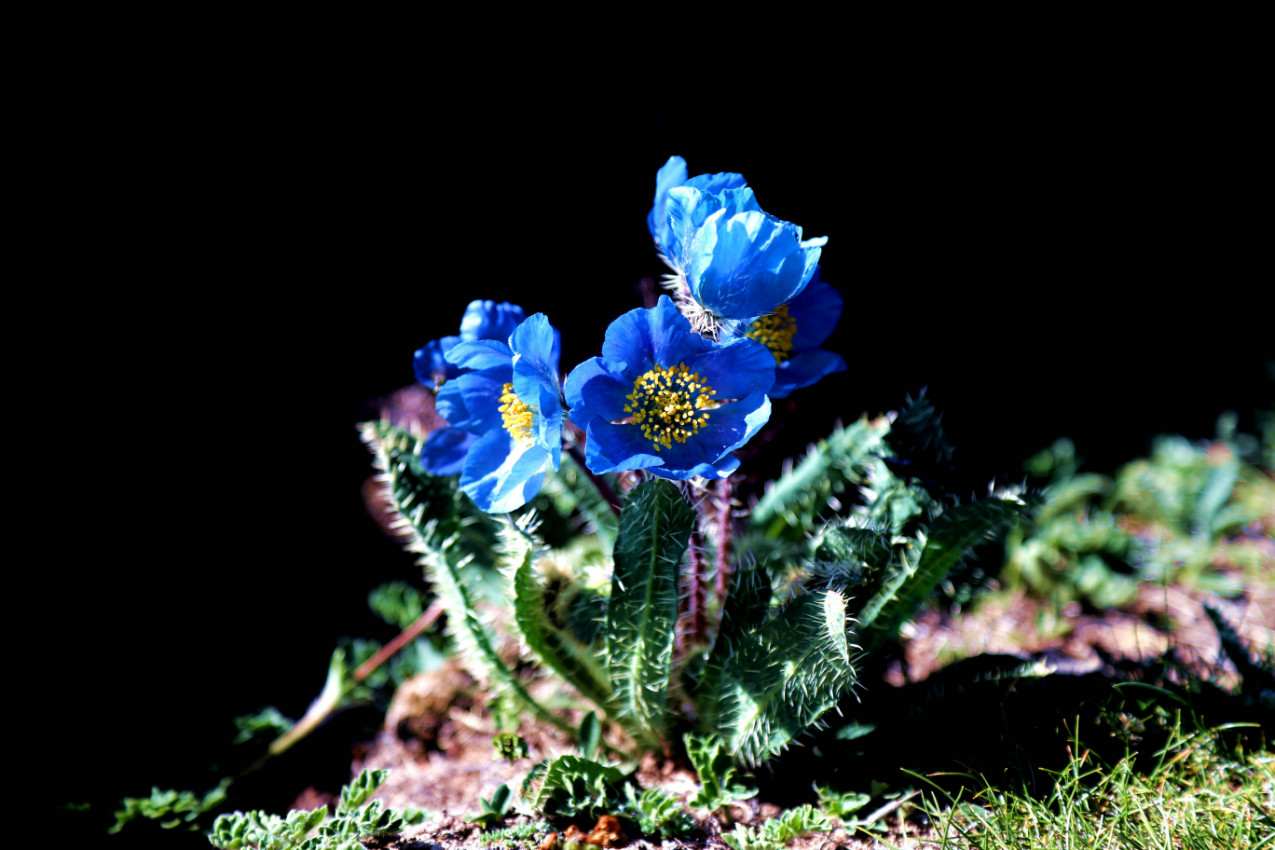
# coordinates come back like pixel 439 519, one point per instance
pixel 437 738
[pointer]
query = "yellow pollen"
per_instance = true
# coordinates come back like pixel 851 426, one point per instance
pixel 516 416
pixel 670 404
pixel 775 332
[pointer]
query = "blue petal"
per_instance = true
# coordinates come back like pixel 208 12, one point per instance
pixel 816 310
pixel 736 369
pixel 489 320
pixel 537 342
pixel 444 451
pixel 502 474
pixel 803 369
pixel 472 401
pixel 481 354
pixel 611 448
pixel 689 208
pixel 671 175
pixel 596 389
pixel 746 265
pixel 429 363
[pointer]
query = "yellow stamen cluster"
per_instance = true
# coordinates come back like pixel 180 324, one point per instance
pixel 669 404
pixel 516 416
pixel 775 332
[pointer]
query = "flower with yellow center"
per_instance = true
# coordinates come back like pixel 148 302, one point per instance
pixel 505 412
pixel 670 404
pixel 665 399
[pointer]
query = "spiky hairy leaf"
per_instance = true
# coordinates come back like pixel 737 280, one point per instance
pixel 747 601
pixel 553 642
pixel 573 494
pixel 911 580
pixel 852 554
pixel 655 528
pixel 415 494
pixel 791 506
pixel 420 498
pixel 785 675
pixel 918 444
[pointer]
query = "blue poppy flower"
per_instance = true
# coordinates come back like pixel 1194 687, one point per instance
pixel 482 320
pixel 793 334
pixel 665 399
pixel 737 261
pixel 506 409
pixel 672 175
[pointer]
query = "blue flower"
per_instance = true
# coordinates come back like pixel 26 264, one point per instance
pixel 506 410
pixel 672 175
pixel 482 320
pixel 664 399
pixel 735 261
pixel 793 334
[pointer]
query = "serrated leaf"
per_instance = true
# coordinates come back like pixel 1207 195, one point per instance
pixel 655 528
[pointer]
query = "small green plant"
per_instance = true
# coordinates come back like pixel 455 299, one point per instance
pixel 495 809
pixel 776 832
pixel 839 804
pixel 720 782
pixel 170 809
pixel 354 820
pixel 1167 518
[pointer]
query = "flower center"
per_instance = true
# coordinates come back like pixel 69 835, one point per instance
pixel 516 416
pixel 775 331
pixel 669 404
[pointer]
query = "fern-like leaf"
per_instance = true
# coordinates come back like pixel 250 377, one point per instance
pixel 655 528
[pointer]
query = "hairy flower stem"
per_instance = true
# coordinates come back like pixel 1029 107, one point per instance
pixel 694 636
pixel 721 580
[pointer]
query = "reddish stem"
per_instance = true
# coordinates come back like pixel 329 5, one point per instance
pixel 724 530
pixel 423 622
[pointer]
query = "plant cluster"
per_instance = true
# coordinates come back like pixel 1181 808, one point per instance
pixel 1171 517
pixel 591 520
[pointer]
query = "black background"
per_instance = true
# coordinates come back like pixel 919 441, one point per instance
pixel 219 249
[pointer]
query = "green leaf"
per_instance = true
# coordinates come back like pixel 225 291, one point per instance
pixel 776 832
pixel 719 782
pixel 359 789
pixel 785 675
pixel 548 633
pixel 495 809
pixel 909 582
pixel 590 734
pixel 791 505
pixel 655 528
pixel 575 785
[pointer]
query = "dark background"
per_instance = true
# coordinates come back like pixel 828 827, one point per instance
pixel 219 251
